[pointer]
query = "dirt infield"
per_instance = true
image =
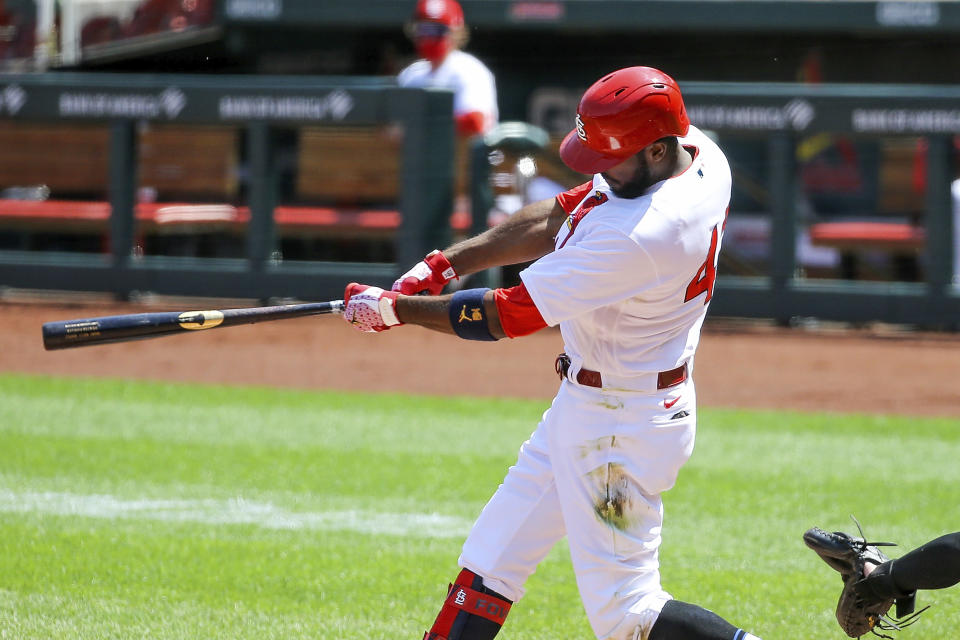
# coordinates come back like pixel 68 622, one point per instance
pixel 738 365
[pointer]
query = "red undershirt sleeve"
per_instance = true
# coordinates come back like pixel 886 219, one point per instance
pixel 469 124
pixel 571 198
pixel 518 315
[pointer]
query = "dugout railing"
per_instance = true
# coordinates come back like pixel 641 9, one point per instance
pixel 779 115
pixel 261 106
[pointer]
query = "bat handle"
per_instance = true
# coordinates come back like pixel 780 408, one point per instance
pixel 336 306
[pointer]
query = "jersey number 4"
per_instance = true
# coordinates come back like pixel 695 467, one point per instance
pixel 707 273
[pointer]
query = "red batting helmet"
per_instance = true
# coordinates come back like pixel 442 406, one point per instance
pixel 619 115
pixel 446 12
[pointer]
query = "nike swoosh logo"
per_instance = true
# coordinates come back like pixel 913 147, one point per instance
pixel 669 403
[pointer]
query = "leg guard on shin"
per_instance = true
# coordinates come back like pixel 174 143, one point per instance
pixel 470 612
pixel 683 621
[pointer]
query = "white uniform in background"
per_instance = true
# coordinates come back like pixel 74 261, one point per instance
pixel 630 434
pixel 473 85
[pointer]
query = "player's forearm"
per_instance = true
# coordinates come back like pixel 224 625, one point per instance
pixel 526 235
pixel 433 312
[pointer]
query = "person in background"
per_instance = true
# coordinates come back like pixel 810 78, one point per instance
pixel 438 31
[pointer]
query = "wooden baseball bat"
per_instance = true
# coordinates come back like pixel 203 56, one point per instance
pixel 138 326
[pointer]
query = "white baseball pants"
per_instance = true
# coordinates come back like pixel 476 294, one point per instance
pixel 593 470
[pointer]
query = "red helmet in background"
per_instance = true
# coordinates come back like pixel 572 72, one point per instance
pixel 435 28
pixel 619 115
pixel 446 12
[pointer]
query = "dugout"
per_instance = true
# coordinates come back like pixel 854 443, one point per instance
pixel 99 165
pixel 114 130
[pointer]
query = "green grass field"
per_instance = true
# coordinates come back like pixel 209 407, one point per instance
pixel 139 510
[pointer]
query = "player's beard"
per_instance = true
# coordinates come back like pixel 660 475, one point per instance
pixel 637 184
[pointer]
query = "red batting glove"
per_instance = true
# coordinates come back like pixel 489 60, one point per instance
pixel 369 308
pixel 430 274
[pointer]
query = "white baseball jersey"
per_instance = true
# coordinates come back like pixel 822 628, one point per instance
pixel 628 284
pixel 630 279
pixel 473 85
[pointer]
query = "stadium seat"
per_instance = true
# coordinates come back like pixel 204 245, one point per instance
pixel 151 16
pixel 99 30
pixel 198 12
pixel 158 16
pixel 24 39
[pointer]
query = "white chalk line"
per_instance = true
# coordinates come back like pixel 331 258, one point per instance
pixel 232 512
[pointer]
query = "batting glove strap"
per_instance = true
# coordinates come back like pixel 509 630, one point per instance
pixel 388 308
pixel 430 274
pixel 440 266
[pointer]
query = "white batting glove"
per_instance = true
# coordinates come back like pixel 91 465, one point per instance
pixel 370 309
pixel 430 274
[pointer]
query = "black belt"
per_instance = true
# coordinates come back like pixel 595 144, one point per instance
pixel 588 378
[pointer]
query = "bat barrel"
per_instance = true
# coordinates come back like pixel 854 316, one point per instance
pixel 90 331
pixel 137 326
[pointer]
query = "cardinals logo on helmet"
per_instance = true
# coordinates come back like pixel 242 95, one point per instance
pixel 581 132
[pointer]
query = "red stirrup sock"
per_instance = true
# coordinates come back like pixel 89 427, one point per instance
pixel 470 612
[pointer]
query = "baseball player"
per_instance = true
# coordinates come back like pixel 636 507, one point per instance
pixel 934 565
pixel 625 265
pixel 873 582
pixel 438 31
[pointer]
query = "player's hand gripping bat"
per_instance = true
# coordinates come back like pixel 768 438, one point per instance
pixel 137 326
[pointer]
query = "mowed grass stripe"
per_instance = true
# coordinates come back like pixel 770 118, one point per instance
pixel 232 512
pixel 122 466
pixel 120 409
pixel 732 533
